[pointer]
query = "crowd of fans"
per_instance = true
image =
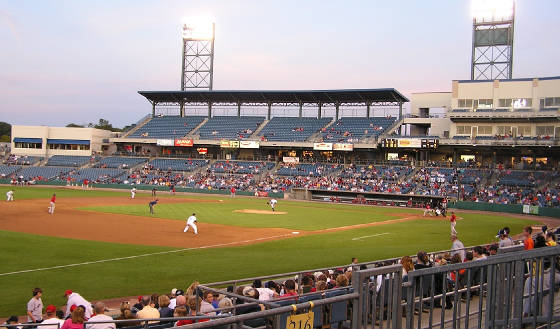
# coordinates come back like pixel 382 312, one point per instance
pixel 197 304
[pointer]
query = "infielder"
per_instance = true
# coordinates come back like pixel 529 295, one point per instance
pixel 133 192
pixel 52 204
pixel 453 221
pixel 10 196
pixel 191 222
pixel 152 205
pixel 273 203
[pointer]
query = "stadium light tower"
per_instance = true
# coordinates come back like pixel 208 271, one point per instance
pixel 198 53
pixel 492 44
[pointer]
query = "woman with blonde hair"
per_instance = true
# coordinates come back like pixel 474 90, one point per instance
pixel 164 310
pixel 76 321
pixel 126 314
pixel 191 290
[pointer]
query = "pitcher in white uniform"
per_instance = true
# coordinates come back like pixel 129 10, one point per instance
pixel 191 222
pixel 273 203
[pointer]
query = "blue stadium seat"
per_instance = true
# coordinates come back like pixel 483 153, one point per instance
pixel 177 164
pixel 120 162
pixel 168 127
pixel 68 160
pixel 46 173
pixel 224 127
pixel 7 170
pixel 241 167
pixel 292 129
pixel 353 129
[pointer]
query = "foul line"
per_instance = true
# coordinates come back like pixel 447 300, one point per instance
pixel 369 236
pixel 144 255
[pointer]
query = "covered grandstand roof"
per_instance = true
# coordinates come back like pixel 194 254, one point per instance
pixel 387 95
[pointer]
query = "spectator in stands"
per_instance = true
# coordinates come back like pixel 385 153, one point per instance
pixel 51 318
pixel 181 312
pixel 164 310
pixel 100 316
pixel 457 247
pixel 173 301
pixel 528 242
pixel 478 253
pixel 407 265
pixel 550 239
pixel 505 240
pixel 321 285
pixel 206 306
pixel 73 298
pixel 12 323
pixel 77 319
pixel 341 281
pixel 422 260
pixel 126 314
pixel 226 303
pixel 181 300
pixel 35 307
pixel 264 293
pixel 250 292
pixel 289 289
pixel 148 311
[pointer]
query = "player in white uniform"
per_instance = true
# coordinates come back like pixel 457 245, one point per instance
pixel 273 203
pixel 133 192
pixel 191 222
pixel 10 196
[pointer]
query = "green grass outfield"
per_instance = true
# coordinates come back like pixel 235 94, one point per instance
pixel 160 273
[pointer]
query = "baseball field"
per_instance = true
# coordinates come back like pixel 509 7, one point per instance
pixel 103 244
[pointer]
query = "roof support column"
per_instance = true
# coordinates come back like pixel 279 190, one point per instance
pixel 153 109
pixel 319 111
pixel 368 105
pixel 300 109
pixel 337 106
pixel 400 110
pixel 238 109
pixel 182 109
pixel 209 110
pixel 269 111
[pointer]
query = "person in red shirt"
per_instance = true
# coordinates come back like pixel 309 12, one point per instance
pixel 528 242
pixel 453 221
pixel 52 204
pixel 232 192
pixel 290 290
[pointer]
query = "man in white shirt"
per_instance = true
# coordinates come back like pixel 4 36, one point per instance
pixel 35 307
pixel 273 203
pixel 264 293
pixel 100 316
pixel 457 247
pixel 51 319
pixel 133 192
pixel 10 196
pixel 191 222
pixel 76 299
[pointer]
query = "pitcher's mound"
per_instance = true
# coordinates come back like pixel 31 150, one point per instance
pixel 260 212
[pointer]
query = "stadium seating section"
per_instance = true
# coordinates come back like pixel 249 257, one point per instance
pixel 7 170
pixel 355 129
pixel 23 160
pixel 170 127
pixel 177 164
pixel 94 175
pixel 306 169
pixel 292 129
pixel 241 167
pixel 120 162
pixel 68 160
pixel 221 127
pixel 43 173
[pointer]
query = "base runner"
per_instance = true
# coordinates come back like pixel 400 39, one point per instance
pixel 191 222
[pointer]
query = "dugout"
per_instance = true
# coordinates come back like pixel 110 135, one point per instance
pixel 371 198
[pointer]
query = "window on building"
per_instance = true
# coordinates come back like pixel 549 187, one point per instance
pixel 463 130
pixel 503 130
pixel 522 102
pixel 483 103
pixel 524 130
pixel 465 103
pixel 504 102
pixel 21 145
pixel 485 130
pixel 550 102
pixel 545 130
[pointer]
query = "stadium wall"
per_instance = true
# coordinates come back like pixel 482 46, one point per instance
pixel 507 208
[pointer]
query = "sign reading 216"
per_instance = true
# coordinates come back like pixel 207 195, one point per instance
pixel 300 321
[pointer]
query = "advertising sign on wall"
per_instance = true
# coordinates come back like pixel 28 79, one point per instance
pixel 184 142
pixel 249 144
pixel 165 142
pixel 343 147
pixel 322 146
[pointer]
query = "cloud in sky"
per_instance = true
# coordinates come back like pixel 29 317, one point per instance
pixel 80 60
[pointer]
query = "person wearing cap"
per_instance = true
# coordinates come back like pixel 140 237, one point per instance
pixel 505 240
pixel 76 299
pixel 173 301
pixel 52 204
pixel 35 307
pixel 100 316
pixel 51 318
pixel 12 323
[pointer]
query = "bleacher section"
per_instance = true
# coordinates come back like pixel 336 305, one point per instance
pixel 68 160
pixel 167 127
pixel 392 173
pixel 43 173
pixel 307 169
pixel 23 160
pixel 7 170
pixel 524 178
pixel 177 164
pixel 292 129
pixel 94 175
pixel 241 167
pixel 223 127
pixel 120 162
pixel 356 129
